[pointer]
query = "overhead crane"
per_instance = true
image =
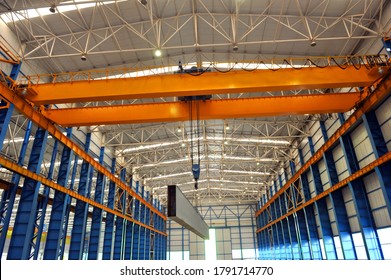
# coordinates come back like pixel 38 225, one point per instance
pixel 331 76
pixel 171 85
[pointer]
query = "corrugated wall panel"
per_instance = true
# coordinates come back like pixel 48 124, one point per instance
pixel 376 201
pixel 305 149
pixel 324 177
pixel 362 146
pixel 311 184
pixel 332 125
pixel 383 114
pixel 340 163
pixel 354 225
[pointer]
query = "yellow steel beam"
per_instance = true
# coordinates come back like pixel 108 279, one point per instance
pixel 207 83
pixel 39 178
pixel 31 113
pixel 210 109
pixel 382 90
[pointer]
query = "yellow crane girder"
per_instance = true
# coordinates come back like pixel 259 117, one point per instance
pixel 209 109
pixel 171 85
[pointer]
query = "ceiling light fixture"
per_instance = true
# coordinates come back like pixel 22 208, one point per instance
pixel 83 57
pixel 158 53
pixel 313 43
pixel 144 2
pixel 52 8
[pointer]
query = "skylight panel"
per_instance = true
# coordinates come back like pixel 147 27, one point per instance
pixel 40 12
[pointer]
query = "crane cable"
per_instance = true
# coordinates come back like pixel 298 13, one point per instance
pixel 195 166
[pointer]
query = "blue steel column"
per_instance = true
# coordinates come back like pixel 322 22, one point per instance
pixel 147 231
pixel 56 231
pixel 129 226
pixel 142 229
pixel 20 246
pixel 361 202
pixel 44 202
pixel 155 225
pixel 109 227
pixel 8 196
pixel 76 248
pixel 379 149
pixel 6 112
pixel 97 213
pixel 294 234
pixel 300 220
pixel 160 239
pixel 285 224
pixel 276 240
pixel 281 232
pixel 164 238
pixel 309 215
pixel 119 222
pixel 321 209
pixel 5 118
pixel 338 202
pixel 136 227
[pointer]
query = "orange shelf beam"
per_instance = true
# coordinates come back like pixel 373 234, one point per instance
pixel 208 83
pixel 210 109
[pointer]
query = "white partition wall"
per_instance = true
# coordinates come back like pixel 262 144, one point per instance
pixel 234 227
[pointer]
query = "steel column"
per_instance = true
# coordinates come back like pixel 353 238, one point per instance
pixel 322 211
pixel 58 218
pixel 361 202
pixel 147 231
pixel 22 234
pixel 281 235
pixel 129 226
pixel 314 243
pixel 337 200
pixel 379 145
pixel 8 196
pixel 97 212
pixel 136 228
pixel 76 248
pixel 310 219
pixel 142 230
pixel 109 226
pixel 44 202
pixel 7 108
pixel 303 229
pixel 120 226
pixel 6 111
